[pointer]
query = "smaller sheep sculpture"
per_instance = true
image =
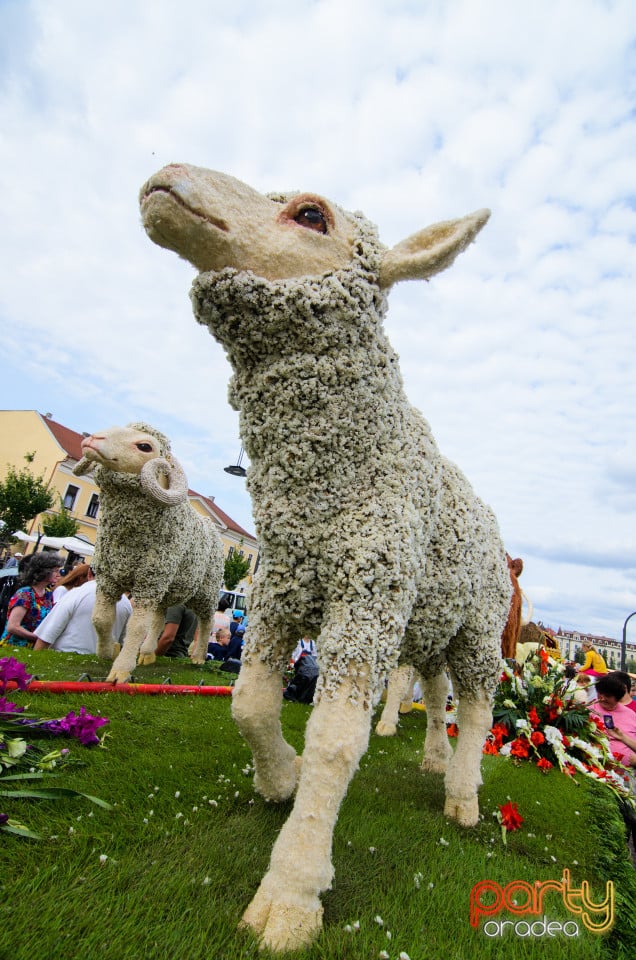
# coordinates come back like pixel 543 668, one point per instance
pixel 150 541
pixel 371 540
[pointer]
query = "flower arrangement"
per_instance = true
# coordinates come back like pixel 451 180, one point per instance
pixel 535 719
pixel 23 760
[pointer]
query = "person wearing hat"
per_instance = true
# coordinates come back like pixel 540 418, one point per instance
pixel 237 625
pixel 594 664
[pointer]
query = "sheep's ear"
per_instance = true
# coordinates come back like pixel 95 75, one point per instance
pixel 431 250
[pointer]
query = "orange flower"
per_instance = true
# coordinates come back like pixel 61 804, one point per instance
pixel 452 729
pixel 490 747
pixel 537 738
pixel 544 765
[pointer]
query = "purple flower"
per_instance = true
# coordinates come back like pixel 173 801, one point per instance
pixel 7 707
pixel 13 670
pixel 83 726
pixel 4 817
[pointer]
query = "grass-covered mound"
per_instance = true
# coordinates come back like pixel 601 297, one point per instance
pixel 169 871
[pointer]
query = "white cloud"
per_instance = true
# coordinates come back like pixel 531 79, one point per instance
pixel 522 356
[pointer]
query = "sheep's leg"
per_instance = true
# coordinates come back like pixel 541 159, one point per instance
pixel 286 912
pixel 149 645
pixel 463 778
pixel 103 618
pixel 135 635
pixel 400 682
pixel 256 707
pixel 199 648
pixel 437 749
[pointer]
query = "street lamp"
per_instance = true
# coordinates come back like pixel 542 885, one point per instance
pixel 624 643
pixel 235 469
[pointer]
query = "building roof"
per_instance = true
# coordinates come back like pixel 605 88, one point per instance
pixel 69 440
pixel 71 443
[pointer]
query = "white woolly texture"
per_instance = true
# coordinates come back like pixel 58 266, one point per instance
pixel 165 554
pixel 370 539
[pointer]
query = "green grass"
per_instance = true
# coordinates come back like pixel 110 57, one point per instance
pixel 182 868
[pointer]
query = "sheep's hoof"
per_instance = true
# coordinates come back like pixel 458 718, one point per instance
pixel 145 659
pixel 197 660
pixel 281 786
pixel 118 676
pixel 434 764
pixel 282 926
pixel 385 729
pixel 465 812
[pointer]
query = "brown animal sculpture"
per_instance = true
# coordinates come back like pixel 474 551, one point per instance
pixel 512 630
pixel 371 540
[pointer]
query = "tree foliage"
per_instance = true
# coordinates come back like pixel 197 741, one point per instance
pixel 236 566
pixel 22 497
pixel 60 524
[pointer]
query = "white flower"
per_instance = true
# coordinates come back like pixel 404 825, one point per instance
pixel 103 858
pixel 404 956
pixel 206 881
pixel 177 794
pixel 383 955
pixel 379 921
pixel 443 843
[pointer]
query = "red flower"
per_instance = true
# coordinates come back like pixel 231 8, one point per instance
pixel 509 816
pixel 544 765
pixel 537 738
pixel 533 717
pixel 520 748
pixel 597 722
pixel 452 729
pixel 543 654
pixel 569 769
pixel 499 732
pixel 490 747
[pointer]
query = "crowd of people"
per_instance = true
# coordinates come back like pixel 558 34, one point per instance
pixel 52 609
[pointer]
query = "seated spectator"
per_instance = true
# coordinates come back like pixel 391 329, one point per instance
pixel 69 628
pixel 221 619
pixel 179 632
pixel 74 578
pixel 226 646
pixel 594 664
pixel 306 645
pixel 237 625
pixel 32 601
pixel 624 678
pixel 619 720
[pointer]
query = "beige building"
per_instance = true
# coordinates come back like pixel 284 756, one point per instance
pixel 52 450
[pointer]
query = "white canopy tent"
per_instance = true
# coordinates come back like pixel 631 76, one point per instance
pixel 73 544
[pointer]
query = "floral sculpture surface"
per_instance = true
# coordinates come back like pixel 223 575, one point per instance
pixel 150 541
pixel 370 539
pixel 536 719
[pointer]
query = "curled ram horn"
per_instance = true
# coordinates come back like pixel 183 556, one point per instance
pixel 177 489
pixel 83 466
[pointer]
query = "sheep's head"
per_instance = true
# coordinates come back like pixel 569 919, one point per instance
pixel 141 450
pixel 215 221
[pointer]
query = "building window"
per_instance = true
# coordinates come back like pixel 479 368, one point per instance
pixel 93 507
pixel 70 497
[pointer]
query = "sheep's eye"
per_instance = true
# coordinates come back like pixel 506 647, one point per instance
pixel 313 218
pixel 144 447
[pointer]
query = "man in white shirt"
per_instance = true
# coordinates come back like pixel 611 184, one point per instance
pixel 70 629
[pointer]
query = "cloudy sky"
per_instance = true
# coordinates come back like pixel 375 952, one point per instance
pixel 522 356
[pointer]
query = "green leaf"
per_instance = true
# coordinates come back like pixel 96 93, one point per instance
pixel 54 794
pixel 21 832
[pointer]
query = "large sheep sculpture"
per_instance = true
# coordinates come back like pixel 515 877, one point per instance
pixel 150 541
pixel 371 540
